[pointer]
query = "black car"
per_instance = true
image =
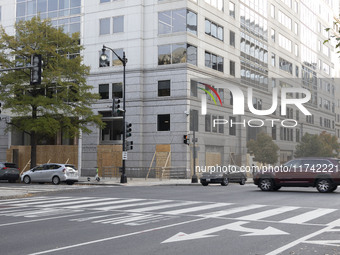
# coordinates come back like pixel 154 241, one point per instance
pixel 234 174
pixel 9 172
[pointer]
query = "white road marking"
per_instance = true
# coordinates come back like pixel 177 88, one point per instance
pixel 197 208
pixel 302 218
pixel 158 207
pixel 268 213
pixel 115 237
pixel 105 203
pixel 52 200
pixel 115 207
pixel 233 210
pixel 79 201
pixel 236 226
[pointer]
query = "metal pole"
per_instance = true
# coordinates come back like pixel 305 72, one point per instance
pixel 123 178
pixel 194 177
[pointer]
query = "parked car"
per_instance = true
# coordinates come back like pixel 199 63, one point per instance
pixel 52 172
pixel 9 172
pixel 234 174
pixel 322 173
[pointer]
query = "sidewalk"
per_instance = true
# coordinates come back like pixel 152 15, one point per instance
pixel 135 182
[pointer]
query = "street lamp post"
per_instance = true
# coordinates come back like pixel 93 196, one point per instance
pixel 104 59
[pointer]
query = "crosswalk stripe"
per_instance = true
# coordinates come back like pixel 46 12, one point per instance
pixel 52 200
pixel 233 210
pixel 121 201
pixel 268 213
pixel 302 218
pixel 132 205
pixel 197 208
pixel 18 209
pixel 23 200
pixel 158 207
pixel 62 204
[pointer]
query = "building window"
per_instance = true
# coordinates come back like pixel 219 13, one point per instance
pixel 115 59
pixel 104 91
pixel 221 94
pixel 118 24
pixel 272 11
pixel 231 101
pixel 232 126
pixel 232 68
pixel 105 1
pixel 177 53
pixel 257 103
pixel 286 65
pixel 194 120
pixel 297 135
pixel 231 9
pixel 214 127
pixel 216 3
pixel 214 61
pixel 221 127
pixel 232 38
pixel 193 88
pixel 177 21
pixel 273 59
pixel 0 12
pixel 274 132
pixel 163 122
pixel 213 29
pixel 117 90
pixel 272 34
pixel 296 71
pixel 104 26
pixel 164 88
pixel 113 128
pixel 207 123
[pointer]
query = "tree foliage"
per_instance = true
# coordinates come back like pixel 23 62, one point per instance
pixel 63 99
pixel 264 149
pixel 323 145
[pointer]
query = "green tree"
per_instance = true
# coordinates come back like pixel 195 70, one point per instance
pixel 323 145
pixel 264 149
pixel 63 99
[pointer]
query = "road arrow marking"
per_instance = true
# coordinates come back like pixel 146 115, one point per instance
pixel 236 226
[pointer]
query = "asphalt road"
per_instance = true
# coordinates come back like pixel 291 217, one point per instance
pixel 235 220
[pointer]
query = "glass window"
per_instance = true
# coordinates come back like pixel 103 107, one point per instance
pixel 21 9
pixel 42 6
pixel 191 22
pixel 164 22
pixel 232 38
pixel 207 123
pixel 118 24
pixel 104 26
pixel 231 9
pixel 164 88
pixel 214 127
pixel 221 127
pixel 52 5
pixel 272 11
pixel 273 59
pixel 232 126
pixel 105 1
pixel 232 68
pixel 117 90
pixel 75 3
pixel 178 54
pixel 104 91
pixel 164 54
pixel 191 54
pixel 193 88
pixel 115 59
pixel 64 4
pixel 178 20
pixel 163 122
pixel 207 27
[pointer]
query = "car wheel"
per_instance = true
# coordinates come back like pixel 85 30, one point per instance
pixel 266 184
pixel 204 183
pixel 243 181
pixel 27 179
pixel 55 180
pixel 70 182
pixel 324 185
pixel 225 182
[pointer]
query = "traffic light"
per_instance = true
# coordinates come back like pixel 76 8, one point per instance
pixel 128 130
pixel 186 139
pixel 129 145
pixel 115 106
pixel 35 69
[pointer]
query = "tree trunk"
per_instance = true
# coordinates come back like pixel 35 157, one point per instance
pixel 33 149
